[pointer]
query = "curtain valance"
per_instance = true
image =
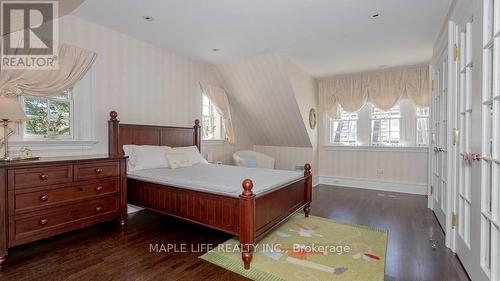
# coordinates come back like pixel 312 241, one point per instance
pixel 218 97
pixel 73 62
pixel 382 88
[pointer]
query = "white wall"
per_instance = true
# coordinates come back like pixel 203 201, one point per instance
pixel 260 90
pixel 143 83
pixel 288 158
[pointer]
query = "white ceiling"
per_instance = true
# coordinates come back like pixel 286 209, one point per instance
pixel 325 37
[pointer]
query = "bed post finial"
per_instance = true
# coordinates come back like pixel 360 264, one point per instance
pixel 197 134
pixel 247 187
pixel 247 222
pixel 113 116
pixel 307 170
pixel 113 145
pixel 307 189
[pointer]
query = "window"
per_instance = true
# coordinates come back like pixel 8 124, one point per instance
pixel 422 126
pixel 403 125
pixel 212 125
pixel 386 126
pixel 344 130
pixel 50 117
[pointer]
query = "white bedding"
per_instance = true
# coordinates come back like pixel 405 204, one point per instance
pixel 218 179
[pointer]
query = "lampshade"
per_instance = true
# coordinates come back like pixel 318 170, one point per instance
pixel 11 110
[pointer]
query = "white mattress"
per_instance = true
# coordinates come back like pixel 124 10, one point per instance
pixel 218 179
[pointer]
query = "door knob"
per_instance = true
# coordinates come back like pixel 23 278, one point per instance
pixel 475 157
pixel 465 156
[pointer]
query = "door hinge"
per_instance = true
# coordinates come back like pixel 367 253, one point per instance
pixel 454 221
pixel 432 190
pixel 456 52
pixel 433 85
pixel 455 136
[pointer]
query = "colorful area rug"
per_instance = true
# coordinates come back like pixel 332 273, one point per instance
pixel 311 248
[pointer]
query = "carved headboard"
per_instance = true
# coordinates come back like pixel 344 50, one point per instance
pixel 122 134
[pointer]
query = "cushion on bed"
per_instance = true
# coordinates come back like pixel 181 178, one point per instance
pixel 146 156
pixel 178 160
pixel 193 153
pixel 249 160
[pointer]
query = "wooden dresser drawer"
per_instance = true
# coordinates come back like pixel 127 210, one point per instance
pixel 33 177
pixel 96 170
pixel 26 201
pixel 36 225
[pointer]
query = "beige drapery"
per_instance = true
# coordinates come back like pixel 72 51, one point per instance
pixel 218 97
pixel 381 88
pixel 73 63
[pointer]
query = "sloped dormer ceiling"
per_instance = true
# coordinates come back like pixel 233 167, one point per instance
pixel 262 94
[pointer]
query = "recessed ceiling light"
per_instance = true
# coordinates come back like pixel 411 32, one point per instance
pixel 215 50
pixel 148 18
pixel 375 16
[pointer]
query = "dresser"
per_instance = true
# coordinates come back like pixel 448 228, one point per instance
pixel 50 196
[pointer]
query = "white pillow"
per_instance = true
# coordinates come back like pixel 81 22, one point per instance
pixel 176 160
pixel 192 152
pixel 146 156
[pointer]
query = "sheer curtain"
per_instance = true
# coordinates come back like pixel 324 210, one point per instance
pixel 73 62
pixel 218 97
pixel 383 89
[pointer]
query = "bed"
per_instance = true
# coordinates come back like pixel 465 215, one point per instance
pixel 210 194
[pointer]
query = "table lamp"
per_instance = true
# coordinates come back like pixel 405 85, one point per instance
pixel 10 111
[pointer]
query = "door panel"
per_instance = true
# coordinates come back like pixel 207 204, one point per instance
pixel 464 194
pixel 478 237
pixel 440 183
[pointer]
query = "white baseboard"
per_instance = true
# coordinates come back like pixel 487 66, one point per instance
pixel 132 209
pixel 403 187
pixel 315 181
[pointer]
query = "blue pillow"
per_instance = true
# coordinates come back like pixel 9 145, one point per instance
pixel 249 160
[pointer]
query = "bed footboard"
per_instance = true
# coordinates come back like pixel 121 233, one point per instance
pixel 259 215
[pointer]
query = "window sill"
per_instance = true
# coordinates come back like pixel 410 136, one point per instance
pixel 37 145
pixel 418 149
pixel 213 142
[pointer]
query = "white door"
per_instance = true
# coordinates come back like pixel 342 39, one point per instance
pixel 478 237
pixel 464 194
pixel 489 159
pixel 440 183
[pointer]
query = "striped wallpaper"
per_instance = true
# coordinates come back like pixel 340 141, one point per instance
pixel 260 90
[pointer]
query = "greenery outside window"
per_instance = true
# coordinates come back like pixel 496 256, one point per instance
pixel 49 117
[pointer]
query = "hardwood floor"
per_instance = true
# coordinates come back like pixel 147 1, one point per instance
pixel 105 252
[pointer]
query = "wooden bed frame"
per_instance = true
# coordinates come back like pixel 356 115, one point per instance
pixel 249 217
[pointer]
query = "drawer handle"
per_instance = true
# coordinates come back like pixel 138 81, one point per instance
pixel 43 221
pixel 98 170
pixel 98 209
pixel 98 188
pixel 44 198
pixel 44 177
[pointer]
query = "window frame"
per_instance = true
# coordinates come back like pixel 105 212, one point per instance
pixel 331 121
pixel 70 100
pixel 212 115
pixel 417 118
pixel 389 118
